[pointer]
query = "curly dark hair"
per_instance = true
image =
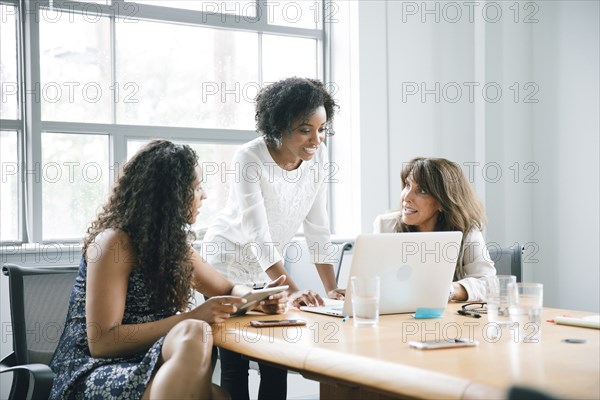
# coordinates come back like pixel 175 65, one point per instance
pixel 151 202
pixel 281 103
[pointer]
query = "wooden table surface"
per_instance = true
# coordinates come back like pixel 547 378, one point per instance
pixel 377 362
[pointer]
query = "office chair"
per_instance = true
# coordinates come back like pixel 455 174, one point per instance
pixel 508 261
pixel 525 393
pixel 39 297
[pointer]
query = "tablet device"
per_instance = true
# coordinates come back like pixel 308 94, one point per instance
pixel 256 296
pixel 277 322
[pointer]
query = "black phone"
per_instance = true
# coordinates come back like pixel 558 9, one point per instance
pixel 277 322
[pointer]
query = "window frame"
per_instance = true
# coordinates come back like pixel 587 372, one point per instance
pixel 29 124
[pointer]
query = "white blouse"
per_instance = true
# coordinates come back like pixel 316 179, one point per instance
pixel 474 265
pixel 265 209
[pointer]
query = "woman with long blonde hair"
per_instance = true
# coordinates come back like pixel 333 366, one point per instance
pixel 436 196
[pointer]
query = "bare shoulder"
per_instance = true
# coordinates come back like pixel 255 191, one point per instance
pixel 111 238
pixel 111 246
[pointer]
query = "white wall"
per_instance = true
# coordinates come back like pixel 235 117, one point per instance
pixel 538 162
pixel 566 126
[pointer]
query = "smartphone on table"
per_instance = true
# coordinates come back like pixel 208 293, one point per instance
pixel 277 322
pixel 443 344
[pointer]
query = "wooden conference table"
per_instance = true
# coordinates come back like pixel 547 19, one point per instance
pixel 377 362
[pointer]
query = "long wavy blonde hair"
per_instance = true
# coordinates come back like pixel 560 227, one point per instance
pixel 445 181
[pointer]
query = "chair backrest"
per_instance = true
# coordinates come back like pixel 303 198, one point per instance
pixel 39 297
pixel 508 261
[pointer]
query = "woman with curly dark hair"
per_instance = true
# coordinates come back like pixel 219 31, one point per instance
pixel 436 196
pixel 130 331
pixel 280 184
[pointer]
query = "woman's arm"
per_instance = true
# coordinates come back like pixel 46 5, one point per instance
pixel 208 280
pixel 318 234
pixel 327 276
pixel 106 290
pixel 476 266
pixel 296 296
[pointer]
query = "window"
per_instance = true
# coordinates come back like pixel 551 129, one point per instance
pixel 9 186
pixel 75 68
pixel 75 182
pixel 215 160
pixel 241 8
pixel 10 189
pixel 192 76
pixel 101 78
pixel 284 57
pixel 9 104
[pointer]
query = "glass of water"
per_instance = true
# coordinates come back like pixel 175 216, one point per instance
pixel 497 298
pixel 365 300
pixel 525 308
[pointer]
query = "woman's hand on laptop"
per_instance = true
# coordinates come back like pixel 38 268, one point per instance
pixel 337 294
pixel 305 298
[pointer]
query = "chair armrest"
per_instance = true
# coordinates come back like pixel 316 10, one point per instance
pixel 42 376
pixel 8 361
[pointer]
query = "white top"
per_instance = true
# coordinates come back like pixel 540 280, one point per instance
pixel 265 208
pixel 473 265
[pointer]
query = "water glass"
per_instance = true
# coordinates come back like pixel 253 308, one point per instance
pixel 365 300
pixel 525 308
pixel 497 298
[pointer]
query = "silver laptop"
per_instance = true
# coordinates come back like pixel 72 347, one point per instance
pixel 416 270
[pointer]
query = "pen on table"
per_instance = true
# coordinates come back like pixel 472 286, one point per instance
pixel 346 318
pixel 469 314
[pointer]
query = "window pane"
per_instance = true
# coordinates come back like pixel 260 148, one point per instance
pixel 298 14
pixel 285 56
pixel 187 76
pixel 215 160
pixel 9 192
pixel 75 182
pixel 8 63
pixel 75 67
pixel 243 8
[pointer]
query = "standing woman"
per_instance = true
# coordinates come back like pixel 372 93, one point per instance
pixel 280 184
pixel 130 331
pixel 436 196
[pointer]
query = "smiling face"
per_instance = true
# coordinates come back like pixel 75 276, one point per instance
pixel 199 195
pixel 301 143
pixel 419 208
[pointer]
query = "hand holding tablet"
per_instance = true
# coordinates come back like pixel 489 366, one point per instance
pixel 255 296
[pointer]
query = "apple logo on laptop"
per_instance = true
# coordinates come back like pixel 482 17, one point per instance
pixel 404 272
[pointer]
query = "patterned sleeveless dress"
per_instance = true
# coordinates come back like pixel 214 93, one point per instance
pixel 81 376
